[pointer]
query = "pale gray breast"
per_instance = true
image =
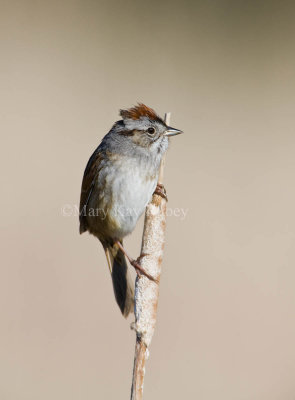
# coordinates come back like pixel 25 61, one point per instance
pixel 123 190
pixel 130 188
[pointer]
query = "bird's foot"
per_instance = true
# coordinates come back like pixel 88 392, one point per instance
pixel 161 191
pixel 141 271
pixel 136 263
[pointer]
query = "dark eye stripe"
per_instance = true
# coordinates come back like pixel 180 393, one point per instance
pixel 127 132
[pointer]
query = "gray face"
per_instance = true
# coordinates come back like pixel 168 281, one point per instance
pixel 144 132
pixel 143 138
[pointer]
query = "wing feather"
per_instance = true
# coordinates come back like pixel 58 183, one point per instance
pixel 90 174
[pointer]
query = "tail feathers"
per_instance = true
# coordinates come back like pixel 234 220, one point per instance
pixel 122 282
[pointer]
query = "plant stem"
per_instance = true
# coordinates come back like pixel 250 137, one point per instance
pixel 147 291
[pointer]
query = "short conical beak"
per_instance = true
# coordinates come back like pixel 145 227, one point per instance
pixel 172 131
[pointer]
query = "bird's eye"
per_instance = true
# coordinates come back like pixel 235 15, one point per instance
pixel 151 131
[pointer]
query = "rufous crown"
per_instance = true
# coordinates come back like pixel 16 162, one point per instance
pixel 139 111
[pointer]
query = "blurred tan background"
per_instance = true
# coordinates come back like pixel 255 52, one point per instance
pixel 225 69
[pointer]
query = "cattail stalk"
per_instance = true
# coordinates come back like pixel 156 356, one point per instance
pixel 147 291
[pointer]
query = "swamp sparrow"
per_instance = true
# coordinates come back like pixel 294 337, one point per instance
pixel 119 181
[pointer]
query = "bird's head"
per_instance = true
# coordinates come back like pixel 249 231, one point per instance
pixel 143 127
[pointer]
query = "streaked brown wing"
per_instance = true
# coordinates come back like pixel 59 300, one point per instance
pixel 90 174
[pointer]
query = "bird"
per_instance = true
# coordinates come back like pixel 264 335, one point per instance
pixel 118 182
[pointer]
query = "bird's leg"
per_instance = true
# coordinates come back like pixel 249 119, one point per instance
pixel 136 263
pixel 161 191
